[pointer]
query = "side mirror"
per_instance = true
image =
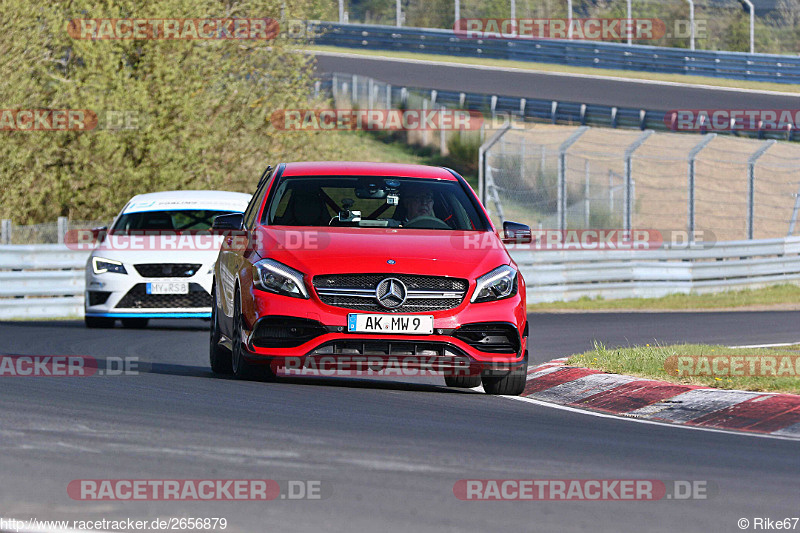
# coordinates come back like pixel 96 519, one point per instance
pixel 99 234
pixel 516 233
pixel 234 221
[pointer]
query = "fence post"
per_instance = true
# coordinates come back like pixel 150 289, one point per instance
pixel 690 183
pixel 586 203
pixel 610 191
pixel 442 136
pixel 388 96
pixel 796 209
pixel 354 90
pixel 522 159
pixel 628 206
pixel 63 223
pixel 5 231
pixel 425 132
pixel 562 176
pixel 482 160
pixel 751 182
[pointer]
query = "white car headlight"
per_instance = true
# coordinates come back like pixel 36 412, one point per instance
pixel 101 265
pixel 498 284
pixel 272 276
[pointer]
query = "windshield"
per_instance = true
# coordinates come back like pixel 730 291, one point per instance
pixel 366 201
pixel 181 220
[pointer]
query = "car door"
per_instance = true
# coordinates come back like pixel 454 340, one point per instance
pixel 233 252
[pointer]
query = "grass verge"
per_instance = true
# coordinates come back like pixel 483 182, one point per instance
pixel 652 362
pixel 775 295
pixel 551 67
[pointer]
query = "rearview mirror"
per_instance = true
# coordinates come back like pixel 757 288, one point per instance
pixel 516 233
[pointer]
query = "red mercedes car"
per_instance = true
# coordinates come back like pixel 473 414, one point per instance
pixel 339 264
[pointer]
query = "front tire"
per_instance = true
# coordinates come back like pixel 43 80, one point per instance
pixel 241 368
pixel 512 384
pixel 95 322
pixel 218 356
pixel 462 382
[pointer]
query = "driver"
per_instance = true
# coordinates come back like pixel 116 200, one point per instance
pixel 418 202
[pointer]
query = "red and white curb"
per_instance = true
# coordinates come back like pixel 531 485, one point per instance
pixel 663 402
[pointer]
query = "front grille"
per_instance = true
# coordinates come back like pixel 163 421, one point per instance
pixel 357 291
pixel 492 337
pixel 137 298
pixel 285 332
pixel 167 270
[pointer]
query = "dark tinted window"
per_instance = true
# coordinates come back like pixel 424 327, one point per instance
pixel 373 202
pixel 199 219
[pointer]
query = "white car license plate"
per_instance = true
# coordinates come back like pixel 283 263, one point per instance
pixel 168 287
pixel 405 324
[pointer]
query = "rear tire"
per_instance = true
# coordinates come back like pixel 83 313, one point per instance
pixel 218 356
pixel 98 322
pixel 135 323
pixel 512 384
pixel 462 382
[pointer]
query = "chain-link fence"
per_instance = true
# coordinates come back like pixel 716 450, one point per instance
pixel 47 233
pixel 351 91
pixel 559 177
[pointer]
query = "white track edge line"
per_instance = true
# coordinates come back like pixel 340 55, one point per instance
pixel 774 345
pixel 644 421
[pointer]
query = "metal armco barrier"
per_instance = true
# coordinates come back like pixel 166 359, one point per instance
pixel 733 65
pixel 41 281
pixel 47 281
pixel 564 275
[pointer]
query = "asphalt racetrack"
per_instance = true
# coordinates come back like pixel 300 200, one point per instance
pixel 387 451
pixel 551 85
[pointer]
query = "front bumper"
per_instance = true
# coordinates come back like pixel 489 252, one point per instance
pixel 124 296
pixel 484 336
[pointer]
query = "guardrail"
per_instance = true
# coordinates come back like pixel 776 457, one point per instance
pixel 733 65
pixel 47 281
pixel 564 275
pixel 41 281
pixel 529 109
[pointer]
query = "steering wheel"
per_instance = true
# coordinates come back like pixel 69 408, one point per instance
pixel 426 222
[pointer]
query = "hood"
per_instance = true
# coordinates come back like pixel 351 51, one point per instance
pixel 313 251
pixel 180 248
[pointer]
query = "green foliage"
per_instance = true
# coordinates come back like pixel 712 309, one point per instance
pixel 203 106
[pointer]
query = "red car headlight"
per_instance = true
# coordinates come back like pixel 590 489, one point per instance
pixel 272 276
pixel 498 284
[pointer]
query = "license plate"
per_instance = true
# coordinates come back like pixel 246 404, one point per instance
pixel 168 287
pixel 404 324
